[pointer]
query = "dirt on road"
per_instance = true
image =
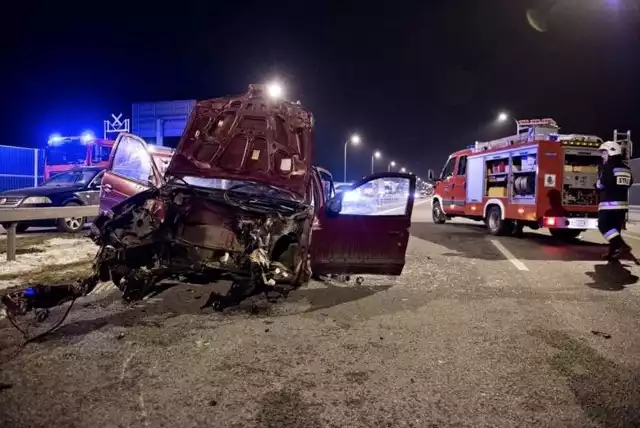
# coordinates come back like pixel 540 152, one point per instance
pixel 462 339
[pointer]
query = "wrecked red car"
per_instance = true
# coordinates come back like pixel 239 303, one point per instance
pixel 240 200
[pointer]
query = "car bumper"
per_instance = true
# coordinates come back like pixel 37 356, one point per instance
pixel 570 223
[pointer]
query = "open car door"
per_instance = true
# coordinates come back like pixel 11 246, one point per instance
pixel 131 170
pixel 365 229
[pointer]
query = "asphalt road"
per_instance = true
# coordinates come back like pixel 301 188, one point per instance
pixel 477 332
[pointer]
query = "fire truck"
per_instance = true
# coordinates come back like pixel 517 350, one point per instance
pixel 537 178
pixel 65 153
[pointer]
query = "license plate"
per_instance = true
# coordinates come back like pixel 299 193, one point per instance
pixel 578 223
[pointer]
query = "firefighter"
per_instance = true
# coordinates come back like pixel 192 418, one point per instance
pixel 614 181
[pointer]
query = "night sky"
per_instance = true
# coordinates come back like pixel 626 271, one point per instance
pixel 417 79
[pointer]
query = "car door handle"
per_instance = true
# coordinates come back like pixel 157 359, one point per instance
pixel 396 233
pixel 107 188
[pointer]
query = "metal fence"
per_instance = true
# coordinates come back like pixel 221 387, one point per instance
pixel 20 167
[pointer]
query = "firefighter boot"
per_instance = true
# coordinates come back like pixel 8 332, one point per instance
pixel 619 248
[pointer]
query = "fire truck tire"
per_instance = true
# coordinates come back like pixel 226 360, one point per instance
pixel 438 216
pixel 496 225
pixel 566 234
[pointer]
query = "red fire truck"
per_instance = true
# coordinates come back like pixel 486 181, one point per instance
pixel 65 153
pixel 536 178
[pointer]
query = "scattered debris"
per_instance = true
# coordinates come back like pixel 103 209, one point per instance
pixel 601 334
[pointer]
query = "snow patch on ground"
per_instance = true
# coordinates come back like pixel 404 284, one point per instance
pixel 57 251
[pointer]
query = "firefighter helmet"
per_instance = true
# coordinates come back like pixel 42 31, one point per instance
pixel 611 147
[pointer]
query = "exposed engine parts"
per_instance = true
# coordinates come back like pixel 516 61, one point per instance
pixel 234 205
pixel 258 252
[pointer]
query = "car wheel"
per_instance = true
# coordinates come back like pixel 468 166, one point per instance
pixel 70 224
pixel 496 225
pixel 437 213
pixel 566 235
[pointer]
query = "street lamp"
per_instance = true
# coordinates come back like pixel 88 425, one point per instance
pixel 275 90
pixel 355 140
pixel 503 117
pixel 392 163
pixel 374 156
pixel 403 169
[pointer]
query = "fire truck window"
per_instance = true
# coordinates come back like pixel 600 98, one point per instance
pixel 462 166
pixel 132 161
pixel 447 171
pixel 382 196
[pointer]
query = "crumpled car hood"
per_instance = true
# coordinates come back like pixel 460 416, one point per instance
pixel 247 137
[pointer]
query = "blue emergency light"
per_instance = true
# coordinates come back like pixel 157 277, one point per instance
pixel 54 139
pixel 87 137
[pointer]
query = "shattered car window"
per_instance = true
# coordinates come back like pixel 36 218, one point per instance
pixel 162 163
pixel 132 161
pixel 382 196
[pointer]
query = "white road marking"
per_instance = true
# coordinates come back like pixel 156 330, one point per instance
pixel 630 236
pixel 509 255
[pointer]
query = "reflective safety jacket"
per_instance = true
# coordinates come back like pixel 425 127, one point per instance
pixel 614 182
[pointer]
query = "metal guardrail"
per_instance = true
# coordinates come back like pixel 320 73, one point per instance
pixel 12 216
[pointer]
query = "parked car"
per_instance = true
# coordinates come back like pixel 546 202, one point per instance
pixel 240 197
pixel 78 186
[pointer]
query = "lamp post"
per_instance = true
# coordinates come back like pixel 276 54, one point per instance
pixel 392 163
pixel 355 140
pixel 503 117
pixel 374 156
pixel 403 169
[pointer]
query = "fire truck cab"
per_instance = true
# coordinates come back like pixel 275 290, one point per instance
pixel 537 178
pixel 65 153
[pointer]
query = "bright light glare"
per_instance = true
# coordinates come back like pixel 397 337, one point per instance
pixel 392 163
pixel 87 137
pixel 377 155
pixel 351 196
pixel 275 90
pixel 54 139
pixel 355 139
pixel 403 169
pixel 502 117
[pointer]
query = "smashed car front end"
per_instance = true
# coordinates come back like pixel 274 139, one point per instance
pixel 254 230
pixel 192 234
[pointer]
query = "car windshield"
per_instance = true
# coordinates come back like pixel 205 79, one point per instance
pixel 241 186
pixel 78 177
pixel 70 153
pixel 162 162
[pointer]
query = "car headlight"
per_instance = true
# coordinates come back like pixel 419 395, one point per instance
pixel 37 200
pixel 351 196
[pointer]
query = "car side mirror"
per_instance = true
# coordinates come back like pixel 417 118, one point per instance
pixel 334 206
pixel 431 176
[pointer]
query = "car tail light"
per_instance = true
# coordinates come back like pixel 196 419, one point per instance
pixel 549 221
